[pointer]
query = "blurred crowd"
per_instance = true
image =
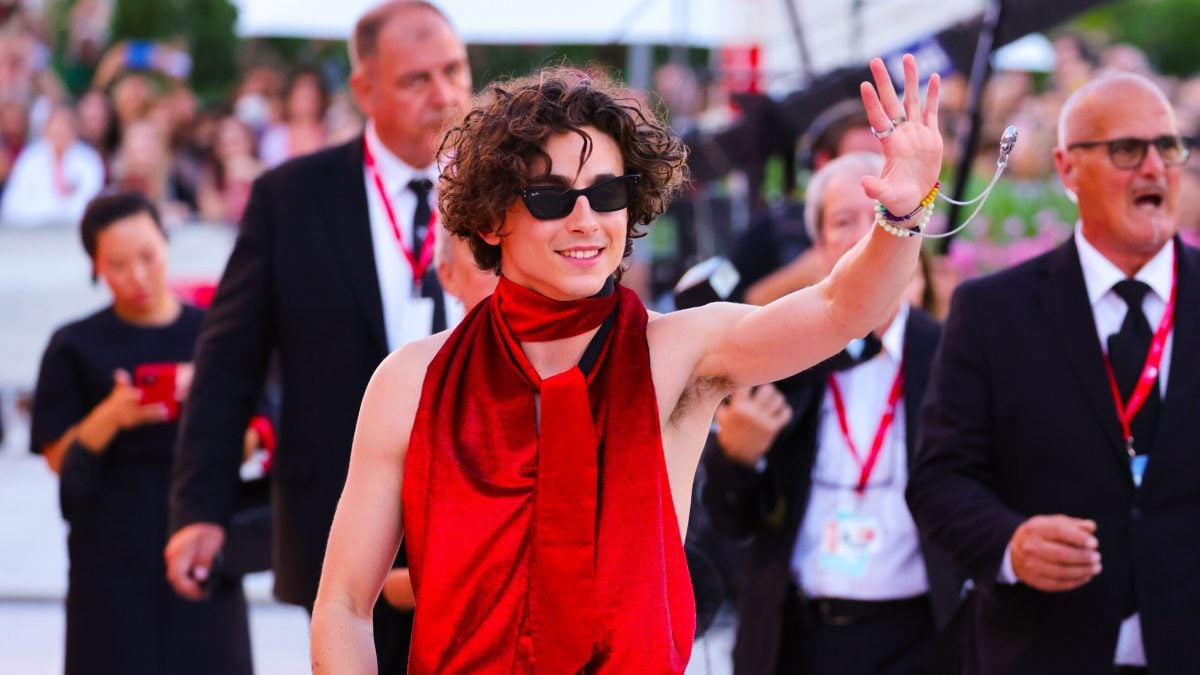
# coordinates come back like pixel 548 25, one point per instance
pixel 122 115
pixel 1029 212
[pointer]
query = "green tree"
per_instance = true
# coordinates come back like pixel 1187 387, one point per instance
pixel 1164 29
pixel 147 19
pixel 205 27
pixel 212 42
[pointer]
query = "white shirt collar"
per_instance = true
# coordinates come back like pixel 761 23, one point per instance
pixel 395 172
pixel 1100 274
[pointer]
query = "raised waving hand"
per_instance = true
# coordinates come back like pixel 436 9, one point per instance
pixel 908 131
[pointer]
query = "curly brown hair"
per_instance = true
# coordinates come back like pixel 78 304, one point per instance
pixel 497 149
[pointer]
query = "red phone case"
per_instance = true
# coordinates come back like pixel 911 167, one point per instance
pixel 157 384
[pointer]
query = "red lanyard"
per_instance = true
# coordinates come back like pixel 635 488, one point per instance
pixel 885 423
pixel 1149 376
pixel 418 265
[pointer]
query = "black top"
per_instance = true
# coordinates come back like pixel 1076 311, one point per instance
pixel 77 374
pixel 116 504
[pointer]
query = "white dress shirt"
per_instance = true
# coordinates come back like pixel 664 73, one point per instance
pixel 33 196
pixel 894 569
pixel 405 317
pixel 1108 310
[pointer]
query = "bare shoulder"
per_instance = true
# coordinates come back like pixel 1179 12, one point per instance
pixel 390 402
pixel 686 320
pixel 414 356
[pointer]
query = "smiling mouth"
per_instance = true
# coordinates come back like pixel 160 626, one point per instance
pixel 1151 200
pixel 585 254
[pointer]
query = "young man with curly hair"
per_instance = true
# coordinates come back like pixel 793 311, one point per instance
pixel 542 453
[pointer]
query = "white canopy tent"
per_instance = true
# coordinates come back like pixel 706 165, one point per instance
pixel 839 33
pixel 692 22
pixel 835 32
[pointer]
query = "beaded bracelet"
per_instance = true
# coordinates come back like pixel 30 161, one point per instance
pixel 902 232
pixel 925 203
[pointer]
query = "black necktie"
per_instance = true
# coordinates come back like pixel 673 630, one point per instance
pixel 1127 351
pixel 421 215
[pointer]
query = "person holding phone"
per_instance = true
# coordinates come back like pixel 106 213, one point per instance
pixel 104 418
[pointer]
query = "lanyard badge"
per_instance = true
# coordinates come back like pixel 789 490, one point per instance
pixel 420 263
pixel 1126 410
pixel 867 464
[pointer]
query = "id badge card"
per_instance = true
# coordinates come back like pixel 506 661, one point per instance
pixel 417 320
pixel 1137 465
pixel 848 542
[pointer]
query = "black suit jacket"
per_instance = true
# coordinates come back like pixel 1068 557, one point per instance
pixel 1020 421
pixel 770 505
pixel 301 281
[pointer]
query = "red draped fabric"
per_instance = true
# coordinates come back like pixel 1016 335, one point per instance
pixel 550 552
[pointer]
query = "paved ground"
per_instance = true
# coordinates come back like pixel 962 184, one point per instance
pixel 33 570
pixel 43 282
pixel 31 638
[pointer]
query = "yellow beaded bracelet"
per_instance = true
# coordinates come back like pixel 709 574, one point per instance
pixel 925 203
pixel 897 231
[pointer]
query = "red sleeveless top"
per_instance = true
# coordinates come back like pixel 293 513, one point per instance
pixel 550 552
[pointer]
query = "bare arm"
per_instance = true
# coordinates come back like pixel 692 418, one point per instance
pixel 367 527
pixel 120 410
pixel 805 270
pixel 749 346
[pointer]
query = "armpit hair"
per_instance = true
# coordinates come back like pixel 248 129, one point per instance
pixel 698 391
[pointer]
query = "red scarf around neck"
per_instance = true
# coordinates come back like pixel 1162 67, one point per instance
pixel 551 550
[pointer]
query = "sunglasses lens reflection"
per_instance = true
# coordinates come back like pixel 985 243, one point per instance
pixel 548 204
pixel 611 195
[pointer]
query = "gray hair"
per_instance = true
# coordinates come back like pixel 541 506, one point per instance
pixel 856 163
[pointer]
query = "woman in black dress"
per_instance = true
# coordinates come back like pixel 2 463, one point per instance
pixel 111 441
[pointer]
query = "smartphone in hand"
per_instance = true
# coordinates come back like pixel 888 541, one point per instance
pixel 209 583
pixel 156 381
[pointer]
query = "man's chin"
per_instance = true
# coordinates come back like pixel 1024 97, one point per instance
pixel 1149 234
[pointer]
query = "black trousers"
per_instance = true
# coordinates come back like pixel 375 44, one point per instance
pixel 845 637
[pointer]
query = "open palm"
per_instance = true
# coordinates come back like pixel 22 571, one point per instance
pixel 912 150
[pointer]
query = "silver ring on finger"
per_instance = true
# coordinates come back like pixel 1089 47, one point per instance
pixel 885 133
pixel 897 121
